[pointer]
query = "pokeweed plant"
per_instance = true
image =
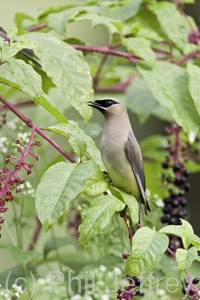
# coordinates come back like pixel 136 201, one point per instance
pixel 154 54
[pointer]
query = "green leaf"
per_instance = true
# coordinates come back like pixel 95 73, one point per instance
pixel 27 79
pixel 187 233
pixel 67 69
pixel 99 13
pixel 194 87
pixel 22 257
pixel 8 50
pixel 185 258
pixel 147 250
pixel 169 85
pixel 59 21
pixel 184 231
pixel 102 20
pixel 109 22
pixel 172 229
pixel 195 240
pixel 198 257
pixel 35 17
pixel 12 32
pixel 130 201
pixel 97 217
pixel 139 99
pixel 70 181
pixel 177 29
pixel 140 47
pixel 129 10
pixel 51 245
pixel 148 26
pixel 81 143
pixel 23 77
pixel 96 184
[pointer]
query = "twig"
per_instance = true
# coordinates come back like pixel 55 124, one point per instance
pixel 120 87
pixel 37 27
pixel 35 235
pixel 20 161
pixel 127 220
pixel 29 123
pixel 193 54
pixel 106 50
pixel 18 104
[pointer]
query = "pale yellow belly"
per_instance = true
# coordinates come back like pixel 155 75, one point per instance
pixel 123 177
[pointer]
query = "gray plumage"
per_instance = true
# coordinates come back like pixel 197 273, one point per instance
pixel 120 151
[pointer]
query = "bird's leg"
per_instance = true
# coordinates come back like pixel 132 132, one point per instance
pixel 127 221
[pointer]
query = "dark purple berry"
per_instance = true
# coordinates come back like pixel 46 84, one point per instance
pixel 165 165
pixel 184 290
pixel 138 282
pixel 173 221
pixel 167 209
pixel 176 167
pixel 186 186
pixel 175 203
pixel 195 280
pixel 174 213
pixel 164 219
pixel 173 195
pixel 179 180
pixel 183 201
pixel 167 200
pixel 185 282
pixel 192 291
pixel 139 293
pixel 182 213
pixel 186 173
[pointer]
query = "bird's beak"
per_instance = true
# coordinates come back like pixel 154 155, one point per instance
pixel 91 103
pixel 94 104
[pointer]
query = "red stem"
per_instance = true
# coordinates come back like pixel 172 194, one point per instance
pixel 29 123
pixel 18 104
pixel 176 148
pixel 188 56
pixel 120 87
pixel 20 161
pixel 127 220
pixel 35 235
pixel 106 50
pixel 37 27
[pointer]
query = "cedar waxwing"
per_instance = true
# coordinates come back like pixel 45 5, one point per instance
pixel 120 151
pixel 26 52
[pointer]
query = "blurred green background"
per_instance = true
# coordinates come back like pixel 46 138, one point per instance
pixel 97 36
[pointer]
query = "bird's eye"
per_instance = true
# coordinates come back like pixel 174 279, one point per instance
pixel 109 103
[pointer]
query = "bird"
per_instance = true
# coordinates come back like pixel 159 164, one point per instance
pixel 120 151
pixel 25 51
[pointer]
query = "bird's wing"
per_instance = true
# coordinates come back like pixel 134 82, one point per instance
pixel 137 166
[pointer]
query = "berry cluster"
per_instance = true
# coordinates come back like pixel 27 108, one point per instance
pixel 175 180
pixel 130 291
pixel 190 289
pixel 10 179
